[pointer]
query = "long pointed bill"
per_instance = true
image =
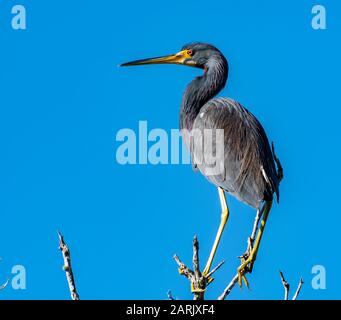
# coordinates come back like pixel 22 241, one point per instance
pixel 178 58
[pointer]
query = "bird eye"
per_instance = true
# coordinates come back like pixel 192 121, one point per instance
pixel 190 52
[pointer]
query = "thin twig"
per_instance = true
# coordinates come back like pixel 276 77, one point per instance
pixel 215 269
pixel 169 295
pixel 255 224
pixel 3 286
pixel 183 269
pixel 286 286
pixel 300 284
pixel 67 267
pixel 196 264
pixel 229 288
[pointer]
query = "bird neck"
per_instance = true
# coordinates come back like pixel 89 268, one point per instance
pixel 202 89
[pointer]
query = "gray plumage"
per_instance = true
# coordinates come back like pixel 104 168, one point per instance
pixel 249 170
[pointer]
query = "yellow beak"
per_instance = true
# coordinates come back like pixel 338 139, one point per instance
pixel 178 58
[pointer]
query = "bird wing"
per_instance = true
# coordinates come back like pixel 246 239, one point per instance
pixel 245 167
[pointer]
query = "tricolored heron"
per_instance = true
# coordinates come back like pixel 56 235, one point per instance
pixel 249 171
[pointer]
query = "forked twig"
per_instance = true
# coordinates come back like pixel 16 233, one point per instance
pixel 199 282
pixel 286 286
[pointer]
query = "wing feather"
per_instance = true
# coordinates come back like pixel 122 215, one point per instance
pixel 249 170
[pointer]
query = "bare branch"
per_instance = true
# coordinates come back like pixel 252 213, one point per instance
pixel 67 267
pixel 286 286
pixel 300 284
pixel 229 288
pixel 199 282
pixel 183 269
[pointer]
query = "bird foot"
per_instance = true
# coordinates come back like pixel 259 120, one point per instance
pixel 207 276
pixel 196 290
pixel 242 270
pixel 246 263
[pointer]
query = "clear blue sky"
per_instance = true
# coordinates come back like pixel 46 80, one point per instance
pixel 63 99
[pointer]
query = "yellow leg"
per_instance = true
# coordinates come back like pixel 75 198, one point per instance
pixel 247 263
pixel 224 218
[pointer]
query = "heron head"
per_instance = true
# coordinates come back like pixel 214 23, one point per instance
pixel 199 55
